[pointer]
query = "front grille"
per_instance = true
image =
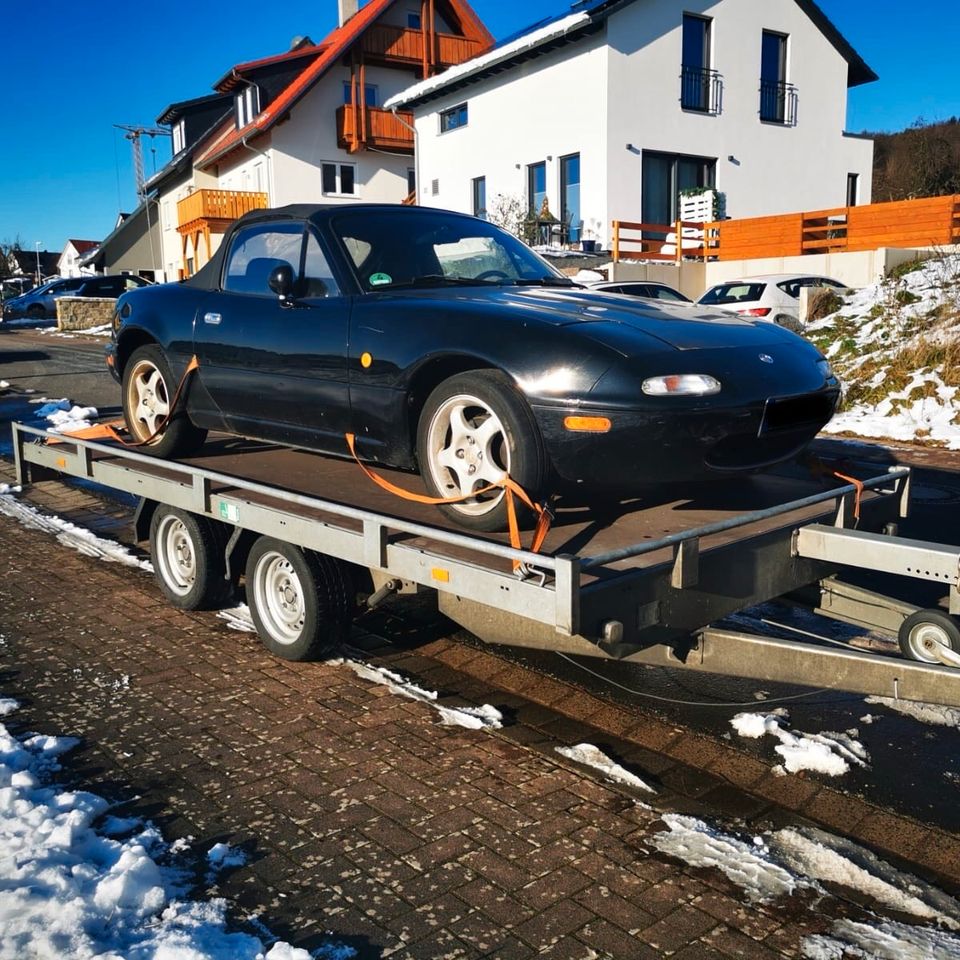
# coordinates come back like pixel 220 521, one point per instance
pixel 791 413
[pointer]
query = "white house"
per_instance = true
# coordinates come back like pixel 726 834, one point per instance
pixel 69 263
pixel 612 109
pixel 308 125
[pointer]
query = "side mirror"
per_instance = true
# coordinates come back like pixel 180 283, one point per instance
pixel 281 281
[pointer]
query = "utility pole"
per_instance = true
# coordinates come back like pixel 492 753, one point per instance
pixel 133 134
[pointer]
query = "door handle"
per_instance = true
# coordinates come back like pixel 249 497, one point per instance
pixel 212 318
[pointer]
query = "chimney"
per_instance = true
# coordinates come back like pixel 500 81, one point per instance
pixel 348 9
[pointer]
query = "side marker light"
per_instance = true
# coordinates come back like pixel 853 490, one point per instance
pixel 588 424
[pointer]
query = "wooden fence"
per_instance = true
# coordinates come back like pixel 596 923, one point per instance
pixel 635 241
pixel 927 222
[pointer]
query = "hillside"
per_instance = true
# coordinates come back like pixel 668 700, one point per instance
pixel 921 161
pixel 896 347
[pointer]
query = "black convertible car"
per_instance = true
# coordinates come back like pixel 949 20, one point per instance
pixel 447 346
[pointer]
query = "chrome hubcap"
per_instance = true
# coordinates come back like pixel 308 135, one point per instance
pixel 468 451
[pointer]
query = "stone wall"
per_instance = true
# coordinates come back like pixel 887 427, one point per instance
pixel 82 313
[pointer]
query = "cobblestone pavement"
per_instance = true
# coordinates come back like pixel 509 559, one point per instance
pixel 362 815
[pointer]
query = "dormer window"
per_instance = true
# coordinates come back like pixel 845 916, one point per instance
pixel 247 105
pixel 179 138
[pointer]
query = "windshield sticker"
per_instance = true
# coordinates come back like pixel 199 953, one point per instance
pixel 379 279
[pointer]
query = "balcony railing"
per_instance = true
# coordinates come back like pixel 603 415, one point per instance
pixel 778 102
pixel 405 45
pixel 701 89
pixel 358 128
pixel 217 205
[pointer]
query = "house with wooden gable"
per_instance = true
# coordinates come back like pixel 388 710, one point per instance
pixel 612 109
pixel 309 125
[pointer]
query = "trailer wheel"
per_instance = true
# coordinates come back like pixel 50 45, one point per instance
pixel 922 632
pixel 188 559
pixel 301 602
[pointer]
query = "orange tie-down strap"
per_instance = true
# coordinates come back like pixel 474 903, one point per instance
pixel 111 429
pixel 858 497
pixel 510 487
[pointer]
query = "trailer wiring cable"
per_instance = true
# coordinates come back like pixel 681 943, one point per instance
pixel 692 703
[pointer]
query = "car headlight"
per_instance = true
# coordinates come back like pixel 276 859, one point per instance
pixel 681 385
pixel 823 365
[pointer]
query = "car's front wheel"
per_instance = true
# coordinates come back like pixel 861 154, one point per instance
pixel 149 392
pixel 474 430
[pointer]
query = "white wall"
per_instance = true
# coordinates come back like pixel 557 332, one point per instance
pixel 777 168
pixel 550 107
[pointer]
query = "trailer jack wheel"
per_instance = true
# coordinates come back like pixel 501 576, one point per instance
pixel 188 559
pixel 301 602
pixel 931 636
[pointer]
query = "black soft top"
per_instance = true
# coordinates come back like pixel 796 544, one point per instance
pixel 208 277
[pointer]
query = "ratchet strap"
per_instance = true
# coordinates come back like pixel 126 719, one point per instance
pixel 511 489
pixel 858 486
pixel 111 429
pixel 820 469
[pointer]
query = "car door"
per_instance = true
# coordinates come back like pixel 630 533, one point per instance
pixel 276 368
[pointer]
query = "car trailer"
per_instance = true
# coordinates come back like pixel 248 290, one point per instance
pixel 639 581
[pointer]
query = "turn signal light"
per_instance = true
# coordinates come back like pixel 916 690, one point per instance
pixel 588 424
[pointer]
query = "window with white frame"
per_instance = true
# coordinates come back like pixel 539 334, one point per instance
pixel 247 105
pixel 179 139
pixel 371 94
pixel 414 21
pixel 338 179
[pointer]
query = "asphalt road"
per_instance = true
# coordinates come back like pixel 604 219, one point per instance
pixel 914 767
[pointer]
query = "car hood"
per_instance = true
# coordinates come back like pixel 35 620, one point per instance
pixel 614 320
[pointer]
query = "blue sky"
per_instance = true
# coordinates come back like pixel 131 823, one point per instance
pixel 66 172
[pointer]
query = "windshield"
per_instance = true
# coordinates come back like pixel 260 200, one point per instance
pixel 392 249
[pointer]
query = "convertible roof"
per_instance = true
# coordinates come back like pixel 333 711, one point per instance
pixel 208 276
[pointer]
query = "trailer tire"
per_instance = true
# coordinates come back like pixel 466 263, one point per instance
pixel 301 602
pixel 188 559
pixel 925 628
pixel 148 392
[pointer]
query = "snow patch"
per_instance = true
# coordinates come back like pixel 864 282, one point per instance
pixel 924 712
pixel 484 717
pixel 7 706
pixel 69 890
pixel 749 866
pixel 850 940
pixel 69 534
pixel 591 756
pixel 817 855
pixel 828 753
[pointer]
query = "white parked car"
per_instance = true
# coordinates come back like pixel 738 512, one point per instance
pixel 775 297
pixel 650 289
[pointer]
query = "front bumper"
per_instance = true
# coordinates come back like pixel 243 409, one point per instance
pixel 662 445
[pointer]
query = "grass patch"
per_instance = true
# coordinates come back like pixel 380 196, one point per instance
pixel 911 266
pixel 905 297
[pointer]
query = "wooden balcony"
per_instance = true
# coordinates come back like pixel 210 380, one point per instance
pixel 361 127
pixel 214 210
pixel 404 46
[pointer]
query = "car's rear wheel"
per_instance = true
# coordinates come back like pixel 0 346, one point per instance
pixel 474 430
pixel 149 390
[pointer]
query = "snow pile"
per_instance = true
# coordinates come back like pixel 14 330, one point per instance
pixel 594 757
pixel 69 534
pixel 924 712
pixel 63 416
pixel 473 718
pixel 527 41
pixel 885 941
pixel 828 753
pixel 4 384
pixel 750 867
pixel 816 855
pixel 67 890
pixel 896 347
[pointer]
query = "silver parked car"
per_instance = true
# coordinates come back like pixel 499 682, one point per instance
pixel 41 303
pixel 774 298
